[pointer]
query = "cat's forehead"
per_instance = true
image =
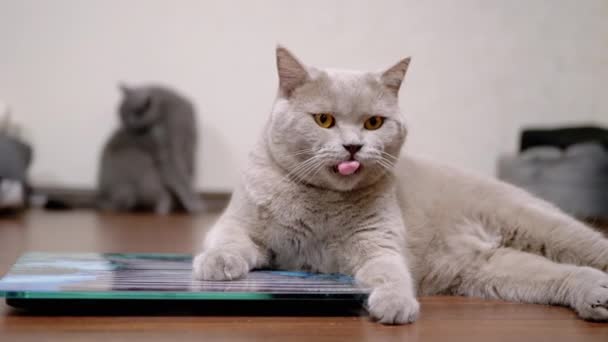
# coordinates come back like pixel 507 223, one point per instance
pixel 345 91
pixel 352 78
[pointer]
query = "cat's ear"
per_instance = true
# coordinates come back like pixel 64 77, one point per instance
pixel 393 76
pixel 292 73
pixel 124 88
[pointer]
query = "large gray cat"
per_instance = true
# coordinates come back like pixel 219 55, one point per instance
pixel 149 161
pixel 327 190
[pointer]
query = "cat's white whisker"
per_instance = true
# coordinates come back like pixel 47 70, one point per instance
pixel 304 151
pixel 319 168
pixel 318 165
pixel 296 173
pixel 386 154
pixel 386 162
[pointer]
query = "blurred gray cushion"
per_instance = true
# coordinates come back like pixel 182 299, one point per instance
pixel 15 157
pixel 575 179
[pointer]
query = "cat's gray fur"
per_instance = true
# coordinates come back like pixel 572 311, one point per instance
pixel 401 225
pixel 148 163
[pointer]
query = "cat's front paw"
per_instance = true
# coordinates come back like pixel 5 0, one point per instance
pixel 594 302
pixel 390 305
pixel 219 265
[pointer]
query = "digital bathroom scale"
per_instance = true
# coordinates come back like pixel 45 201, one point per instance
pixel 163 282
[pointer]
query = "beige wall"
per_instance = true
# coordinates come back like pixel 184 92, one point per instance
pixel 481 70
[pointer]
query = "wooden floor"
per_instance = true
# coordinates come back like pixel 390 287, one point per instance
pixel 442 318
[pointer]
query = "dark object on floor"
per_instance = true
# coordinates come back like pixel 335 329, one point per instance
pixel 563 137
pixel 56 204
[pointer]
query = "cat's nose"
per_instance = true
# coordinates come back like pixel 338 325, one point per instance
pixel 352 148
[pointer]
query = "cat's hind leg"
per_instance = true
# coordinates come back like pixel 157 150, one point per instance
pixel 508 274
pixel 537 227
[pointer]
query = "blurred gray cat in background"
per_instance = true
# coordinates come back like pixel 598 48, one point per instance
pixel 148 163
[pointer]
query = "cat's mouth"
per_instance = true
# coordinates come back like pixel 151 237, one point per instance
pixel 348 167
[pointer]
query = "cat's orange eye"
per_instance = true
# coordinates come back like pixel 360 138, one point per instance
pixel 373 123
pixel 324 120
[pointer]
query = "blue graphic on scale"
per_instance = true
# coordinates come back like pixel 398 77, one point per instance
pixel 158 276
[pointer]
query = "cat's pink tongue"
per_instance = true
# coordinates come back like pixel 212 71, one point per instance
pixel 347 168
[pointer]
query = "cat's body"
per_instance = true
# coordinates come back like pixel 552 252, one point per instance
pixel 130 178
pixel 473 236
pixel 401 226
pixel 148 163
